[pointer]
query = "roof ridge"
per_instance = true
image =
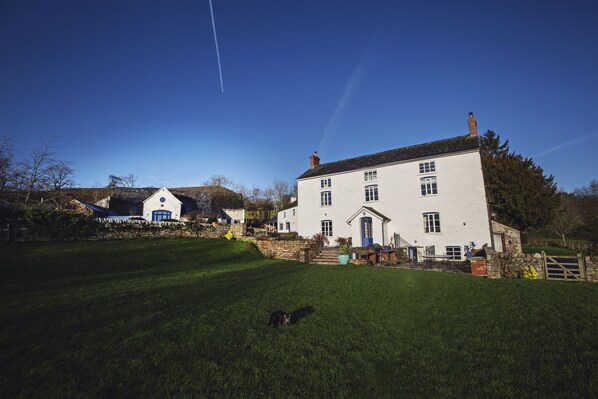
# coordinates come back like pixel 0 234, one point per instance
pixel 422 150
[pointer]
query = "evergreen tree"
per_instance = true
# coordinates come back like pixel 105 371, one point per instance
pixel 519 194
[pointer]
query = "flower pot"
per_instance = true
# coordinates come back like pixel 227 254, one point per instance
pixel 343 259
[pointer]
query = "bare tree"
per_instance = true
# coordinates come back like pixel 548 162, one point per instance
pixel 219 181
pixel 6 162
pixel 591 190
pixel 280 193
pixel 34 169
pixel 567 219
pixel 60 175
pixel 127 181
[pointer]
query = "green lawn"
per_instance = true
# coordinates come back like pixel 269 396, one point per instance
pixel 187 318
pixel 549 250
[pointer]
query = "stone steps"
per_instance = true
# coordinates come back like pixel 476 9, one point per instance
pixel 328 256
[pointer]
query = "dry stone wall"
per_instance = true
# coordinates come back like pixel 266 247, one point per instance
pixel 298 250
pixel 591 269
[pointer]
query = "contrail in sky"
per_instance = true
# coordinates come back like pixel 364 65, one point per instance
pixel 217 50
pixel 567 144
pixel 343 103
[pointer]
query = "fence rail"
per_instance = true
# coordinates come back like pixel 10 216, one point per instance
pixel 568 268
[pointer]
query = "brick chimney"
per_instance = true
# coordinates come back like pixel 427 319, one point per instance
pixel 473 125
pixel 314 160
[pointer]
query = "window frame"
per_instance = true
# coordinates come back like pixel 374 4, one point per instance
pixel 326 183
pixel 429 165
pixel 288 226
pixel 370 175
pixel 427 186
pixel 454 252
pixel 326 198
pixel 431 222
pixel 371 193
pixel 326 226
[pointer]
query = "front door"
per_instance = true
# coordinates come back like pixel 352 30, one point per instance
pixel 366 232
pixel 498 243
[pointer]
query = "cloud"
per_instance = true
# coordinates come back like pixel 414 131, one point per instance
pixel 351 88
pixel 567 144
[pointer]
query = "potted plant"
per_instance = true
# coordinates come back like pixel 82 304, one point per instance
pixel 344 253
pixel 344 249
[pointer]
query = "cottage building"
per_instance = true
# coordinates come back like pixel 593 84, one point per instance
pixel 287 218
pixel 162 205
pixel 231 216
pixel 429 197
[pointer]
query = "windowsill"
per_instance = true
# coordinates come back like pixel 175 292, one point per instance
pixel 434 233
pixel 372 201
pixel 325 206
pixel 429 195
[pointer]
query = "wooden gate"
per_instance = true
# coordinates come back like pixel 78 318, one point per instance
pixel 567 268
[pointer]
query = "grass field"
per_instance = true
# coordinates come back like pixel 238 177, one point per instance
pixel 188 318
pixel 549 250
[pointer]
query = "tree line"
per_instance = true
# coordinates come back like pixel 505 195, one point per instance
pixel 38 170
pixel 521 195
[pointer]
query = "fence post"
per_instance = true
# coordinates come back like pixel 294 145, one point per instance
pixel 544 265
pixel 582 266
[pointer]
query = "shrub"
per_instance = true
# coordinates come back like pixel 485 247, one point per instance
pixel 341 241
pixel 229 235
pixel 529 273
pixel 320 239
pixel 288 236
pixel 58 225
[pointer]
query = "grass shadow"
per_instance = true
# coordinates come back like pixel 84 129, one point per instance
pixel 301 313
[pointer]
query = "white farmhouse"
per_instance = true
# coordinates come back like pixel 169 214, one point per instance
pixel 287 218
pixel 429 197
pixel 162 205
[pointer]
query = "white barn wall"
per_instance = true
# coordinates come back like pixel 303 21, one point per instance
pixel 153 203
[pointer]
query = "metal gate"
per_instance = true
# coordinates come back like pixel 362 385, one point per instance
pixel 566 268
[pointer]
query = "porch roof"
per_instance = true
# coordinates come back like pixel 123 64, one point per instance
pixel 370 210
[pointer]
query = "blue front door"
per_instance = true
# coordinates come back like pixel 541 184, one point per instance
pixel 366 232
pixel 159 215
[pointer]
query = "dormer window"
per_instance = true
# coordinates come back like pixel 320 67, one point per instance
pixel 427 167
pixel 370 175
pixel 325 183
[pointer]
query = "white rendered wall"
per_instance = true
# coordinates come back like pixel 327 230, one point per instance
pixel 290 216
pixel 153 203
pixel 461 203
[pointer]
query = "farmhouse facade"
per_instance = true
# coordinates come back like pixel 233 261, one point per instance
pixel 428 197
pixel 287 218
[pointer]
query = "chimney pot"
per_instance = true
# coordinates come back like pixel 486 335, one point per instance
pixel 473 125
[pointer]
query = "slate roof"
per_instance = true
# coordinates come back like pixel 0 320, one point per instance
pixel 446 146
pixel 289 206
pixel 95 208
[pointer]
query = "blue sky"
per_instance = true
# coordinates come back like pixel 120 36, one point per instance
pixel 133 86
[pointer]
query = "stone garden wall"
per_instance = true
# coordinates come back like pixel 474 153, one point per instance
pixel 591 269
pixel 299 250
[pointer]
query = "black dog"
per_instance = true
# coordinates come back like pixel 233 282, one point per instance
pixel 279 318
